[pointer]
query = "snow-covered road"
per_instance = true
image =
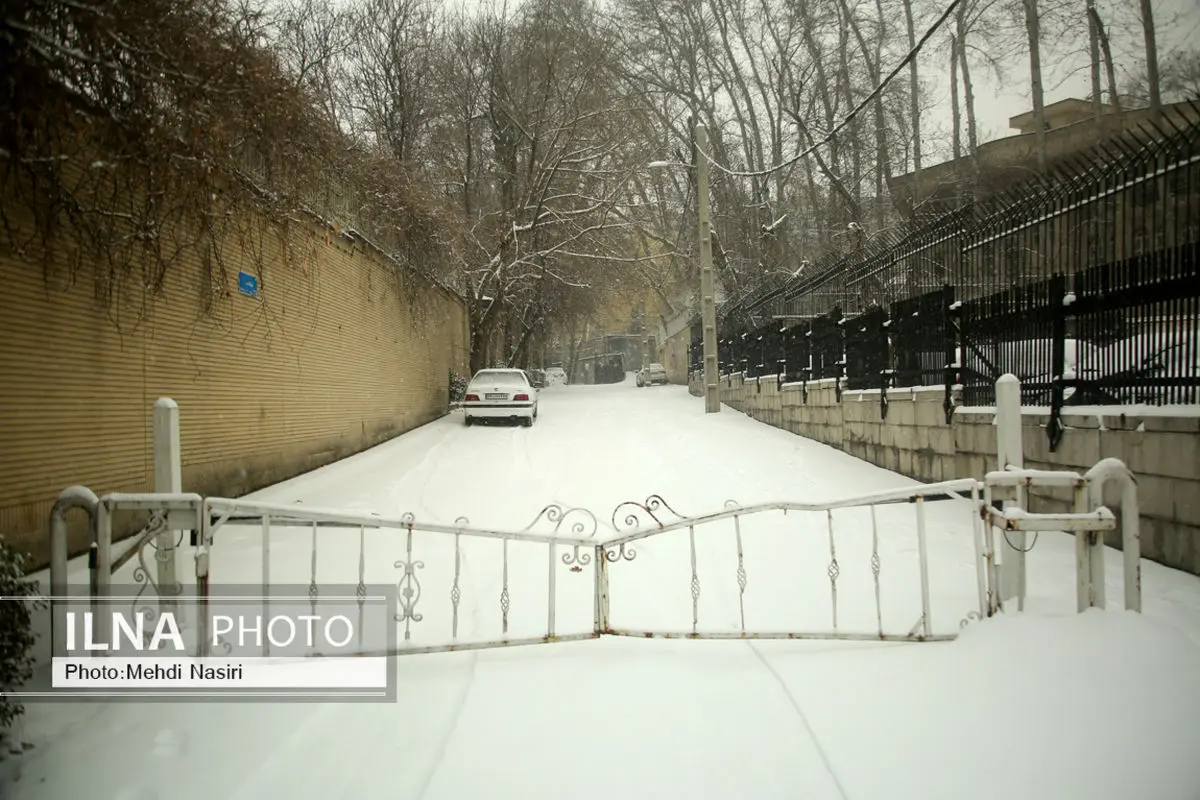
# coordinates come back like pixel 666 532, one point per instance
pixel 1046 705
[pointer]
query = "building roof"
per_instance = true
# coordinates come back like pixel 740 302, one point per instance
pixel 1007 161
pixel 1064 112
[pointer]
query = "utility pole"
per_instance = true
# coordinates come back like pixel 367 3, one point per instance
pixel 645 340
pixel 708 307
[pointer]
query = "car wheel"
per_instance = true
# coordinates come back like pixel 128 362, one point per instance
pixel 527 422
pixel 467 421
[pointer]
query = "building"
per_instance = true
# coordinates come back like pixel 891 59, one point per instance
pixel 1071 128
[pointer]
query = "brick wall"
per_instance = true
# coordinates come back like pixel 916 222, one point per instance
pixel 338 352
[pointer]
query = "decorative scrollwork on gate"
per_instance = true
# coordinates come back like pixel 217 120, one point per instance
pixel 623 551
pixel 455 591
pixel 155 527
pixel 583 523
pixel 833 570
pixel 409 586
pixel 636 513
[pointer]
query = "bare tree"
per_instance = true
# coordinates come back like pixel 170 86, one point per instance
pixel 914 89
pixel 1150 38
pixel 1037 95
pixel 391 57
pixel 1096 27
pixel 312 39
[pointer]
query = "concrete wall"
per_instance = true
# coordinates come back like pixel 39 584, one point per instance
pixel 1162 450
pixel 338 352
pixel 673 355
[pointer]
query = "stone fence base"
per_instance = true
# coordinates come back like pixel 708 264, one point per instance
pixel 915 439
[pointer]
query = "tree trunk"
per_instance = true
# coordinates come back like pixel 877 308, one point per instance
pixel 968 101
pixel 914 104
pixel 1033 34
pixel 955 111
pixel 1094 58
pixel 1151 55
pixel 480 340
pixel 1114 98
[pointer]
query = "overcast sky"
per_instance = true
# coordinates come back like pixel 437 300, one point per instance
pixel 997 100
pixel 1178 23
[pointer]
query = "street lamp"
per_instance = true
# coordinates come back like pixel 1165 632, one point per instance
pixel 708 307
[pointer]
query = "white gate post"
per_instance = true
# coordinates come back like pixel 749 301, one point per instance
pixel 1111 469
pixel 168 479
pixel 69 498
pixel 1011 454
pixel 1089 576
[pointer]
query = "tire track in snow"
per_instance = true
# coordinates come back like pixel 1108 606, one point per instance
pixel 451 727
pixel 433 455
pixel 461 703
pixel 727 593
pixel 812 735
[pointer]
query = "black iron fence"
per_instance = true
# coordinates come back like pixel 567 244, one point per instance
pixel 1084 284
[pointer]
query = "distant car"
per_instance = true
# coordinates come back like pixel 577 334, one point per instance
pixel 653 375
pixel 500 394
pixel 556 375
pixel 537 377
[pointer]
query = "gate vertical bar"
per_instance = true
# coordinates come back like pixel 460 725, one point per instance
pixel 1010 455
pixel 981 562
pixel 550 604
pixel 1131 543
pixel 168 479
pixel 833 570
pixel 101 577
pixel 1084 598
pixel 989 543
pixel 504 597
pixel 601 586
pixel 455 591
pixel 875 568
pixel 695 584
pixel 741 573
pixel 923 557
pixel 266 577
pixel 202 556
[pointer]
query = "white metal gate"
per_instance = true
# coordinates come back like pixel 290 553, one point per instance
pixel 852 569
pixel 855 568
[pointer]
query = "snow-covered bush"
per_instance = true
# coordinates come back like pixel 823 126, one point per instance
pixel 16 630
pixel 458 386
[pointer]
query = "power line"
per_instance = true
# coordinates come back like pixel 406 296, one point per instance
pixel 853 112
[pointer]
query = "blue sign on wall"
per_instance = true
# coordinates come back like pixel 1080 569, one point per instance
pixel 247 284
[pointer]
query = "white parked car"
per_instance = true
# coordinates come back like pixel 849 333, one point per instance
pixel 556 375
pixel 501 394
pixel 653 375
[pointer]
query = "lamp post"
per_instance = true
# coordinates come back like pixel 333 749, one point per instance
pixel 708 307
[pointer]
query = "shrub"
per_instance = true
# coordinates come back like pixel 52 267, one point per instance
pixel 16 630
pixel 458 386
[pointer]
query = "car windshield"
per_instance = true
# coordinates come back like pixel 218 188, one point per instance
pixel 500 378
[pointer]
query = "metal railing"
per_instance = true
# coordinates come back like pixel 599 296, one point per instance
pixel 1084 284
pixel 650 521
pixel 414 550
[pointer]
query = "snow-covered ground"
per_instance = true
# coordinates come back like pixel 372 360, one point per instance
pixel 1048 704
